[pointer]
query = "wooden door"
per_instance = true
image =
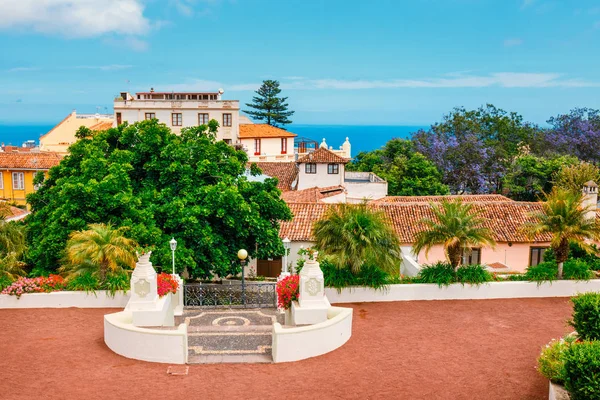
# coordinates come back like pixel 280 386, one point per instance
pixel 269 268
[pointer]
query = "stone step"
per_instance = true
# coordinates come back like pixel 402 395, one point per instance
pixel 239 329
pixel 232 343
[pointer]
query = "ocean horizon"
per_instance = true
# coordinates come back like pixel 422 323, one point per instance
pixel 362 137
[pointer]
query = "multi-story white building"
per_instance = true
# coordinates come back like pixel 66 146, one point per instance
pixel 181 109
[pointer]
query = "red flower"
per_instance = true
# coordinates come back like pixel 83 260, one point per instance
pixel 166 284
pixel 288 291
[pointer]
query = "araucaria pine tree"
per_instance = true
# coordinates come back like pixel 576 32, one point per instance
pixel 268 106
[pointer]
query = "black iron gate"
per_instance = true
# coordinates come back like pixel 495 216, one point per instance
pixel 256 295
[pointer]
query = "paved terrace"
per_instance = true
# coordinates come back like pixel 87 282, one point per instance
pixel 484 349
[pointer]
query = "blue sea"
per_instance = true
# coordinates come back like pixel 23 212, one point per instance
pixel 362 137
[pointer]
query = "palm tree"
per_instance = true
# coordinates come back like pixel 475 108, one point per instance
pixel 455 226
pixel 353 235
pixel 563 216
pixel 12 246
pixel 100 249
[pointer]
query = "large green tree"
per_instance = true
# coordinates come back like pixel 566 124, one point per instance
pixel 563 216
pixel 407 172
pixel 159 185
pixel 529 176
pixel 267 106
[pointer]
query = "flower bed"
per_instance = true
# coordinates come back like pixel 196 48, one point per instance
pixel 166 284
pixel 35 285
pixel 288 291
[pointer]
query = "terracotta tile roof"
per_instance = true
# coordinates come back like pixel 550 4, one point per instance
pixel 41 160
pixel 263 131
pixel 498 265
pixel 16 149
pixel 311 195
pixel 15 214
pixel 323 155
pixel 504 218
pixel 101 126
pixel 435 199
pixel 285 172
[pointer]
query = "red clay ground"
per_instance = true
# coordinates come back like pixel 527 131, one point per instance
pixel 406 350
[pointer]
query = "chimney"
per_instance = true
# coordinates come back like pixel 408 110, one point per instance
pixel 590 198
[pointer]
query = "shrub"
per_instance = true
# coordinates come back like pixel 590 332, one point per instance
pixel 4 282
pixel 586 316
pixel 551 362
pixel 166 283
pixel 577 270
pixel 373 276
pixel 335 277
pixel 115 282
pixel 516 277
pixel 288 290
pixel 39 271
pixel 22 286
pixel 473 274
pixel 86 282
pixel 546 271
pixel 582 370
pixel 440 273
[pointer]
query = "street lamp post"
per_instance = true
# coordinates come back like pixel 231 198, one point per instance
pixel 173 244
pixel 286 246
pixel 242 255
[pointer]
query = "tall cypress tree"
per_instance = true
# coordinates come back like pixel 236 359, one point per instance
pixel 268 106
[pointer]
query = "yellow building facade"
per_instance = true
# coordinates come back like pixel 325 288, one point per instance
pixel 17 171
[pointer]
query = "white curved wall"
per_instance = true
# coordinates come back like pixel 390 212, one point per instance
pixel 154 345
pixel 299 343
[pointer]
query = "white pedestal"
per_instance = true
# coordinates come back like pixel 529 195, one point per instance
pixel 312 305
pixel 177 298
pixel 309 315
pixel 160 315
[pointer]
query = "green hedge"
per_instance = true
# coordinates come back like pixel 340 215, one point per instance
pixel 582 370
pixel 586 316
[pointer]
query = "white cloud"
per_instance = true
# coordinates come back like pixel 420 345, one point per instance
pixel 23 69
pixel 111 67
pixel 75 18
pixel 513 42
pixel 131 42
pixel 527 3
pixel 454 80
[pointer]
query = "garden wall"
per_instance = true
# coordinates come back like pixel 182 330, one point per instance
pixel 456 291
pixel 299 343
pixel 99 299
pixel 154 345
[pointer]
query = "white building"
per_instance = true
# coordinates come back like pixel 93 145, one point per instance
pixel 264 142
pixel 181 109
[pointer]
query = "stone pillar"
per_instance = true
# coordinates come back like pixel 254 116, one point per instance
pixel 147 309
pixel 313 305
pixel 144 293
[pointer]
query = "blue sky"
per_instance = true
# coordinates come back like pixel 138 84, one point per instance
pixel 339 61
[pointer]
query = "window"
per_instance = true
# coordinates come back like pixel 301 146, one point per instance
pixel 310 168
pixel 284 145
pixel 202 119
pixel 118 118
pixel 18 180
pixel 150 116
pixel 1 181
pixel 176 119
pixel 536 255
pixel 257 147
pixel 333 168
pixel 226 119
pixel 228 141
pixel 472 256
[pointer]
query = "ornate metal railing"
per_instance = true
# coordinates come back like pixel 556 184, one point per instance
pixel 256 295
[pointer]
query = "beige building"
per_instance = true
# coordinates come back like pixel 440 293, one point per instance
pixel 59 138
pixel 264 142
pixel 181 109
